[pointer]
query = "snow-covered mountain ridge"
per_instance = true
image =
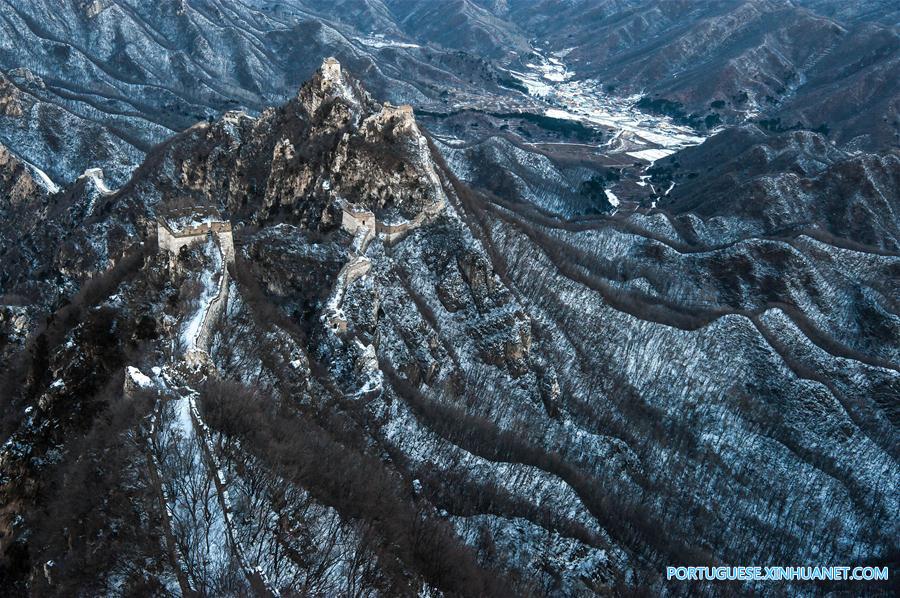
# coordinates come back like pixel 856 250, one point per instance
pixel 433 344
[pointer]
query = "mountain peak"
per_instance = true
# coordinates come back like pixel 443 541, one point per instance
pixel 331 82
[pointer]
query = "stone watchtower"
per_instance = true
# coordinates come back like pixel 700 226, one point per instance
pixel 331 68
pixel 172 237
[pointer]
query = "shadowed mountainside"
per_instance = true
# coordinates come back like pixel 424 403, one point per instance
pixel 514 403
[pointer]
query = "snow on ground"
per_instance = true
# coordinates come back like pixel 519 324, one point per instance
pixel 192 221
pixel 197 518
pixel 651 155
pixel 257 524
pixel 197 488
pixel 585 101
pixel 183 422
pixel 209 280
pixel 45 181
pixel 613 200
pixel 96 175
pixel 138 377
pixel 421 445
pixel 552 69
pixel 524 545
pixel 379 41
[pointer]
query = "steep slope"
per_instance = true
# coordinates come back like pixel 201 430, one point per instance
pixel 121 76
pixel 770 185
pixel 459 24
pixel 358 348
pixel 402 386
pixel 763 367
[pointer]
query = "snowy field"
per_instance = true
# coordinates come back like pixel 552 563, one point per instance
pixel 549 79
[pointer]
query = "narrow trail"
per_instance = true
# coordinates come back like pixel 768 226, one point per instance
pixel 255 577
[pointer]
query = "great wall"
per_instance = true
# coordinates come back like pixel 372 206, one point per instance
pixel 172 238
pixel 354 217
pixel 172 380
pixel 357 220
pixel 358 265
pixel 364 226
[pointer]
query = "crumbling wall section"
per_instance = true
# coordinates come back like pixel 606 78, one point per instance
pixel 173 241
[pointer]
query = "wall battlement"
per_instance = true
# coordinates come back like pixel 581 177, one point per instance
pixel 172 240
pixel 354 218
pixel 401 111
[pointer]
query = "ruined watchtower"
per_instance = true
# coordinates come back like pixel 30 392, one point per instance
pixel 176 231
pixel 354 217
pixel 331 68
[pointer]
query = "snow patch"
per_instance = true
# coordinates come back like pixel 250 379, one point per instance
pixel 96 175
pixel 138 377
pixel 379 41
pixel 651 155
pixel 548 79
pixel 42 179
pixel 210 290
pixel 611 197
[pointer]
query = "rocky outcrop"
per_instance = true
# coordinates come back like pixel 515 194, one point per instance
pixel 10 98
pixel 17 184
pixel 328 147
pixel 328 84
pixel 92 8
